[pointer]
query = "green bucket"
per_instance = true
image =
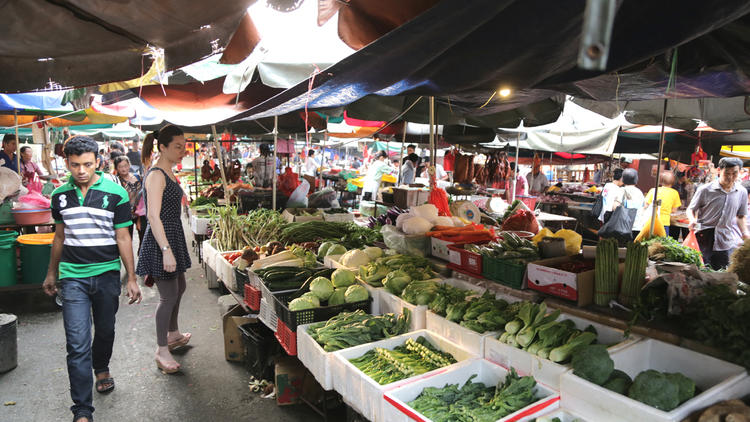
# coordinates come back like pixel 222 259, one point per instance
pixel 8 270
pixel 6 217
pixel 34 262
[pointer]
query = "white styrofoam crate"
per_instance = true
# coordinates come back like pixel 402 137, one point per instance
pixel 211 278
pixel 199 225
pixel 365 395
pixel 315 359
pixel 465 337
pixel 717 380
pixel 439 248
pixel 563 415
pixel 209 254
pixel 545 370
pixel 267 315
pixel 396 408
pixel 339 218
pixel 225 271
pixel 374 293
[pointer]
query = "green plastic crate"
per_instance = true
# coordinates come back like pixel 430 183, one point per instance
pixel 508 272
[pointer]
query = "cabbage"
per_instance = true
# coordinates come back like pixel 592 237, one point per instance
pixel 323 249
pixel 373 252
pixel 312 298
pixel 337 298
pixel 322 288
pixel 401 219
pixel 444 221
pixel 342 278
pixel 355 258
pixel 427 211
pixel 355 293
pixel 336 250
pixel 300 304
pixel 416 225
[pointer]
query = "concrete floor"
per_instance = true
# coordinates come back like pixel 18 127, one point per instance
pixel 208 389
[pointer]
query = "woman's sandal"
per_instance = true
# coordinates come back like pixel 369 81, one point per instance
pixel 182 342
pixel 164 369
pixel 105 385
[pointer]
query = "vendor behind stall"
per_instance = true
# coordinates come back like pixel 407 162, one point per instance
pixel 538 182
pixel 440 173
pixel 264 168
pixel 374 175
pixel 29 168
pixel 718 213
pixel 8 154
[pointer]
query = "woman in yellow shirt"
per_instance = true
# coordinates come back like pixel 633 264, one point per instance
pixel 668 199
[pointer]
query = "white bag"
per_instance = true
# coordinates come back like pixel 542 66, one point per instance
pixel 298 198
pixel 643 215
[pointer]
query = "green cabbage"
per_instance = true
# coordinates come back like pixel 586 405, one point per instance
pixel 373 252
pixel 300 304
pixel 337 298
pixel 323 249
pixel 342 278
pixel 336 250
pixel 355 293
pixel 354 259
pixel 322 288
pixel 314 299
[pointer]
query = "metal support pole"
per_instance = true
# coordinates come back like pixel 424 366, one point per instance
pixel 432 136
pixel 401 156
pixel 195 169
pixel 220 154
pixel 323 156
pixel 18 142
pixel 515 173
pixel 275 144
pixel 658 169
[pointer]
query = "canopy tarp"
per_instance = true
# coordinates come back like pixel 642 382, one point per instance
pixel 446 51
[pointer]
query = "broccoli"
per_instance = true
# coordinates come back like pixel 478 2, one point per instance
pixel 592 363
pixel 619 382
pixel 685 386
pixel 656 390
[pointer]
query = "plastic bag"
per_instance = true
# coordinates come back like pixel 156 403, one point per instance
pixel 692 242
pixel 620 224
pixel 405 244
pixel 32 200
pixel 298 198
pixel 288 182
pixel 644 216
pixel 573 241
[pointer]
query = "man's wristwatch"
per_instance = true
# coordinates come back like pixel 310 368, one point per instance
pixel 164 248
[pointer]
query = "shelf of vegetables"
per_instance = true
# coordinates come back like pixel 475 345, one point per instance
pixel 646 381
pixel 474 390
pixel 393 362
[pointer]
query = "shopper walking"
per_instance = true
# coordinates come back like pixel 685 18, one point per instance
pixel 164 254
pixel 668 200
pixel 611 194
pixel 132 184
pixel 92 216
pixel 718 214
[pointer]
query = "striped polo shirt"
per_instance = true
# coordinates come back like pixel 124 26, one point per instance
pixel 90 246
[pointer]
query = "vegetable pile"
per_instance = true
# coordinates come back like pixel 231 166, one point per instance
pixel 349 329
pixel 321 291
pixel 661 390
pixel 510 247
pixel 233 231
pixel 412 358
pixel 482 314
pixel 472 233
pixel 475 401
pixel 521 220
pixel 375 272
pixel 670 250
pixel 634 276
pixel 350 235
pixel 288 278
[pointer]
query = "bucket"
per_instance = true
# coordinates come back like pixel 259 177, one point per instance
pixel 6 217
pixel 35 250
pixel 8 342
pixel 32 217
pixel 8 267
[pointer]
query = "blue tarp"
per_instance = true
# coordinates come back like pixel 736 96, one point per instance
pixel 462 52
pixel 34 101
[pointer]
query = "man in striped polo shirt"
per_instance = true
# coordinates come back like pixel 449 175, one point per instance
pixel 92 215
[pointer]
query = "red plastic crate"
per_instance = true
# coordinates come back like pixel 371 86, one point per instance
pixel 465 261
pixel 252 297
pixel 287 338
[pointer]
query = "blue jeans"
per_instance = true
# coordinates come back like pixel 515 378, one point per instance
pixel 83 298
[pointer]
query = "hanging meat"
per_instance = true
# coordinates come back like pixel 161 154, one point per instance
pixel 206 171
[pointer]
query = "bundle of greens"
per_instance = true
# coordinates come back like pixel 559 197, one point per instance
pixel 475 401
pixel 670 250
pixel 415 267
pixel 606 270
pixel 634 276
pixel 483 313
pixel 261 226
pixel 349 329
pixel 348 234
pixel 412 358
pixel 510 246
pixel 202 201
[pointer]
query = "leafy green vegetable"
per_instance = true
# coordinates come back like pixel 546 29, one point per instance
pixel 322 288
pixel 342 278
pixel 668 249
pixel 593 363
pixel 349 329
pixel 656 390
pixel 619 382
pixel 566 351
pixel 355 293
pixel 685 386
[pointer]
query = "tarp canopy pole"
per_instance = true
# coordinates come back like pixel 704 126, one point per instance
pixel 218 147
pixel 275 145
pixel 323 156
pixel 654 203
pixel 18 142
pixel 432 135
pixel 515 172
pixel 401 156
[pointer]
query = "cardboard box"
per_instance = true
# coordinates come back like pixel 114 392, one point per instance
pixel 234 349
pixel 578 287
pixel 291 218
pixel 289 380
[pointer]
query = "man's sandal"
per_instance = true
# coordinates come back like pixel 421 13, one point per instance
pixel 105 385
pixel 180 343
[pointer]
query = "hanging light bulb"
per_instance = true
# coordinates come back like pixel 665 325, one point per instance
pixel 504 92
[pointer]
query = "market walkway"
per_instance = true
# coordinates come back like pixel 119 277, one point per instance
pixel 209 388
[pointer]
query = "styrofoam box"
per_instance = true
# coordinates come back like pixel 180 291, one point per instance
pixel 340 218
pixel 334 261
pixel 315 359
pixel 464 337
pixel 439 248
pixel 199 225
pixel 715 379
pixel 563 415
pixel 365 395
pixel 225 271
pixel 374 293
pixel 396 409
pixel 392 303
pixel 209 254
pixel 267 315
pixel 545 370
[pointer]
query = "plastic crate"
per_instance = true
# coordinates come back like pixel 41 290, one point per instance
pixel 294 318
pixel 260 347
pixel 240 280
pixel 267 315
pixel 287 338
pixel 508 272
pixel 463 260
pixel 252 297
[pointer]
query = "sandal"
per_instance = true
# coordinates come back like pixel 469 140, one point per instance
pixel 182 342
pixel 164 369
pixel 105 385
